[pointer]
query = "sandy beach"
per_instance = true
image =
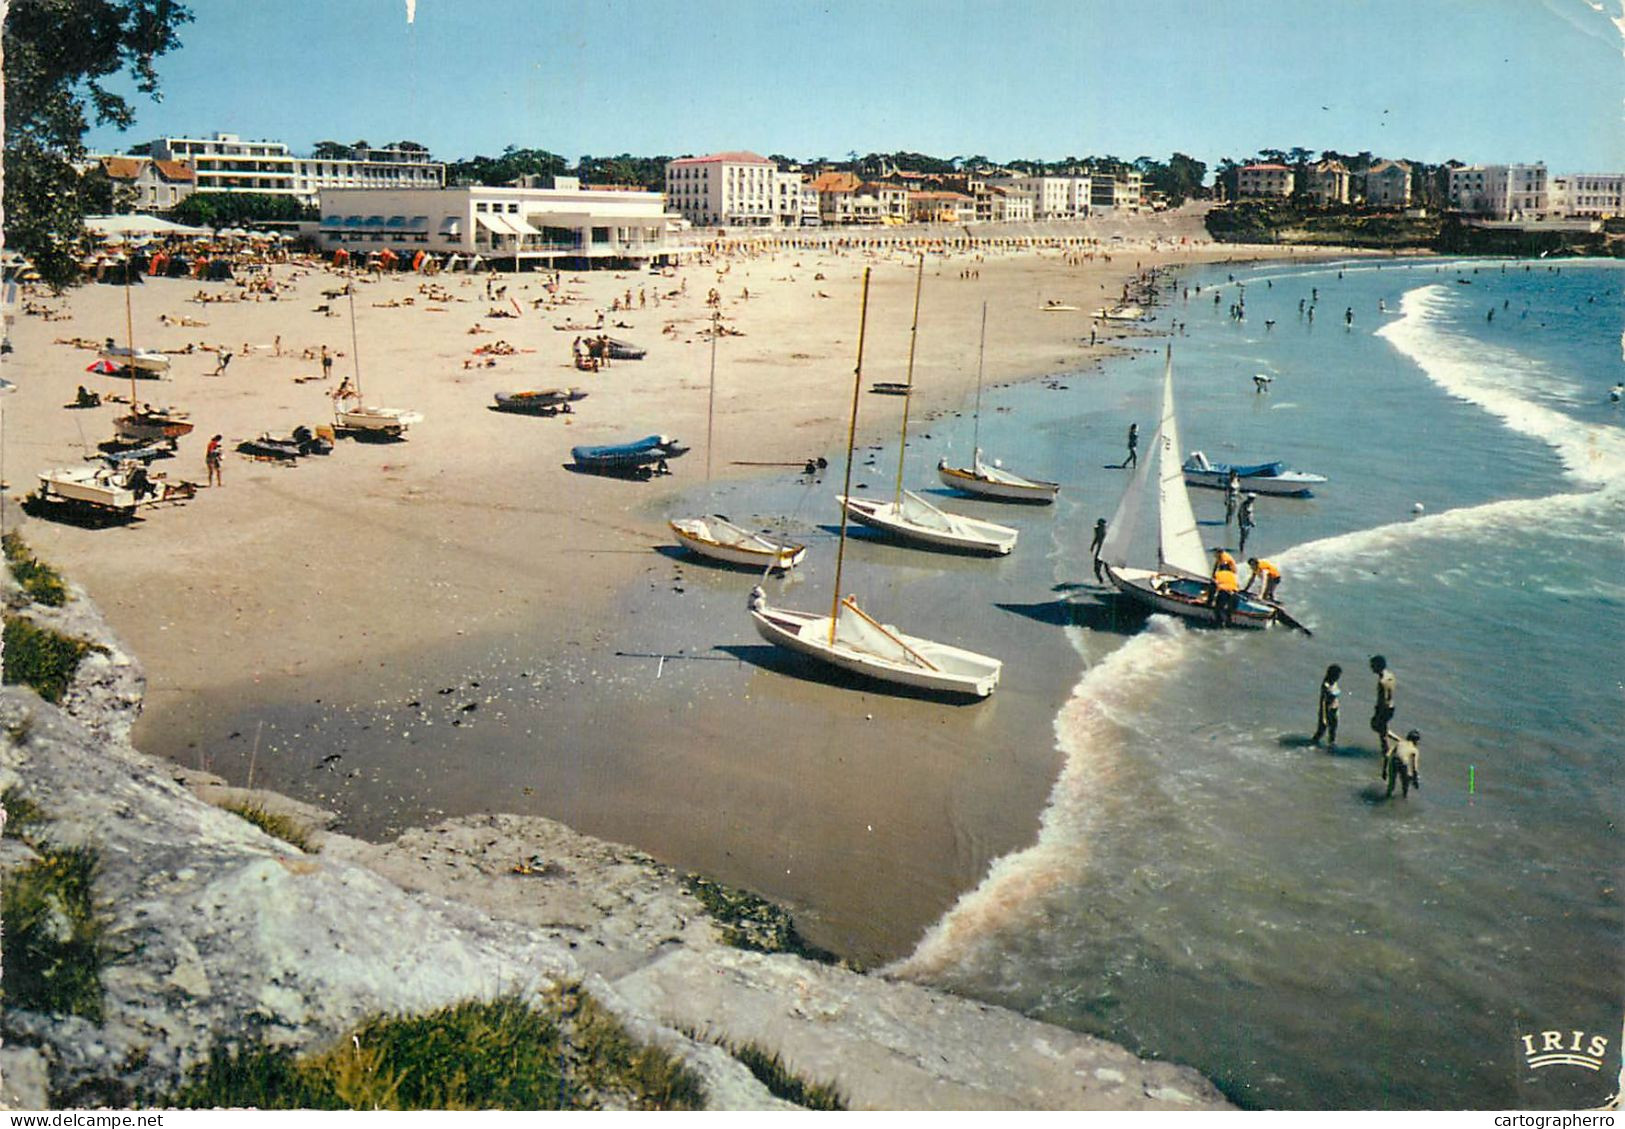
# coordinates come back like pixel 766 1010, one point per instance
pixel 370 574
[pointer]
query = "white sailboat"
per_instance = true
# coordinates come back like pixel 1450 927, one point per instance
pixel 849 638
pixel 145 423
pixel 992 481
pixel 714 536
pixel 909 517
pixel 1174 576
pixel 352 413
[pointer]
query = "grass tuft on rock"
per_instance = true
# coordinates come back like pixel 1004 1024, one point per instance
pixel 279 826
pixel 43 659
pixel 782 1082
pixel 22 814
pixel 42 583
pixel 55 938
pixel 752 922
pixel 481 1054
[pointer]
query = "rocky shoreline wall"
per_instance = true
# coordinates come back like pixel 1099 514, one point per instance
pixel 222 934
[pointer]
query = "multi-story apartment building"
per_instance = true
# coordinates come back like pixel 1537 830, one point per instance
pixel 941 207
pixel 1266 181
pixel 1054 197
pixel 563 223
pixel 1500 192
pixel 1388 185
pixel 1124 191
pixel 1589 195
pixel 1327 182
pixel 227 163
pixel 735 189
pixel 151 186
pixel 1010 205
pixel 892 198
pixel 795 204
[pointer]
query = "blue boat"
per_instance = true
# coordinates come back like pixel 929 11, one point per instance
pixel 637 457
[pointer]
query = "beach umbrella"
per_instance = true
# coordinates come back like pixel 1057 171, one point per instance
pixel 104 368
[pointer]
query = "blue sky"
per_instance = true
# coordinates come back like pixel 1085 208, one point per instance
pixel 1483 81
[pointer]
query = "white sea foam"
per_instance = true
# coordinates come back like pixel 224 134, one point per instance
pixel 1089 732
pixel 1497 378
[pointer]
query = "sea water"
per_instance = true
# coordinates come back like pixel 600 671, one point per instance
pixel 1208 887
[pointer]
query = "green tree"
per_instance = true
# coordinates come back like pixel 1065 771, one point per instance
pixel 58 54
pixel 239 209
pixel 330 151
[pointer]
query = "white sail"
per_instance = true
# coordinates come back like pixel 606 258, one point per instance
pixel 1118 548
pixel 917 511
pixel 855 630
pixel 1179 545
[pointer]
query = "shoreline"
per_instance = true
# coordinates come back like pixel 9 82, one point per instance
pixel 338 571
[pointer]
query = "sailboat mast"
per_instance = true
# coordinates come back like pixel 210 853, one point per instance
pixel 976 424
pixel 355 347
pixel 851 441
pixel 913 336
pixel 129 333
pixel 711 402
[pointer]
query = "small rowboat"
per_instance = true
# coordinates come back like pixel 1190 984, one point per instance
pixel 917 521
pixel 147 424
pixel 863 646
pixel 545 402
pixel 1259 478
pixel 719 539
pixel 390 423
pixel 146 362
pixel 995 482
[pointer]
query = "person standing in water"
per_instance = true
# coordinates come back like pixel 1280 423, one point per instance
pixel 1404 763
pixel 1244 519
pixel 1232 495
pixel 1326 712
pixel 1096 544
pixel 1383 713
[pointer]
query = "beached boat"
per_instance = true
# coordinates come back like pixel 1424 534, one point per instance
pixel 890 388
pixel 714 536
pixel 638 455
pixel 624 350
pixel 543 402
pixel 1053 307
pixel 1260 478
pixel 859 644
pixel 914 520
pixel 719 539
pixel 994 481
pixel 101 487
pixel 351 412
pixel 1172 576
pixel 302 442
pixel 146 362
pixel 851 640
pixel 146 424
pixel 1125 312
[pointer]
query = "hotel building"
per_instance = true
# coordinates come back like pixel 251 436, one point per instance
pixel 1500 192
pixel 227 163
pixel 735 189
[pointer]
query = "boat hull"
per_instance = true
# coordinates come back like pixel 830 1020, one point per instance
pixel 960 672
pixel 92 487
pixel 1288 484
pixel 140 429
pixel 392 422
pixel 544 403
pixel 725 542
pixel 145 362
pixel 981 537
pixel 968 481
pixel 1186 598
pixel 628 456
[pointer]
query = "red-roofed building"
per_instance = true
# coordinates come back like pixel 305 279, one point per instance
pixel 1264 181
pixel 150 186
pixel 735 189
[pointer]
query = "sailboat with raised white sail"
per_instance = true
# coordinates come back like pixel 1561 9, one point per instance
pixel 716 537
pixel 909 517
pixel 993 481
pixel 1171 575
pixel 849 638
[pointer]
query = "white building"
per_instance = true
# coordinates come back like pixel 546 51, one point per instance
pixel 795 204
pixel 1590 195
pixel 735 189
pixel 1502 192
pixel 562 225
pixel 227 163
pixel 1274 182
pixel 1054 197
pixel 1124 191
pixel 1010 205
pixel 1327 182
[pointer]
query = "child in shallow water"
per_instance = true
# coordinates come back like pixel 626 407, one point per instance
pixel 1326 714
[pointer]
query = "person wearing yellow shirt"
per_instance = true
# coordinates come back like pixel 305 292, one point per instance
pixel 1266 571
pixel 1226 589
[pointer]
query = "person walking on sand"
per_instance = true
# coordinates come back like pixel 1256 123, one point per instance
pixel 1383 713
pixel 1096 545
pixel 225 362
pixel 1326 712
pixel 1244 519
pixel 211 462
pixel 1133 458
pixel 327 364
pixel 1404 762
